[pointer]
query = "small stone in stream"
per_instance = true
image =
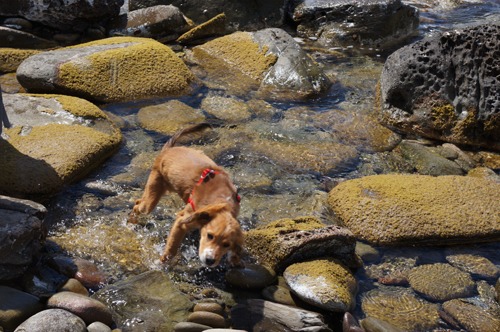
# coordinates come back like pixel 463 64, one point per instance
pixel 190 327
pixel 252 276
pixel 210 307
pixel 207 318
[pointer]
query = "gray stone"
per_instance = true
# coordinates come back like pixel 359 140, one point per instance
pixel 75 14
pixel 20 39
pixel 368 23
pixel 158 22
pixel 190 327
pixel 53 320
pixel 21 234
pixel 88 309
pixel 445 87
pixel 16 306
pixel 98 327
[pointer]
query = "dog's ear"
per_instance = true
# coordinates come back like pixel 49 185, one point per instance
pixel 206 213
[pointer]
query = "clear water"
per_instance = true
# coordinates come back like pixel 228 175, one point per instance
pixel 88 219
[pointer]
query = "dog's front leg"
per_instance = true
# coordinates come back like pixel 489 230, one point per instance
pixel 174 240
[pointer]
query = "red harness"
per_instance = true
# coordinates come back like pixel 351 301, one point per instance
pixel 204 177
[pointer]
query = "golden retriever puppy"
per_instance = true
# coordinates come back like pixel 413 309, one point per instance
pixel 212 201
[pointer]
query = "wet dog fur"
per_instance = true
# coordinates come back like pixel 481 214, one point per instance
pixel 212 204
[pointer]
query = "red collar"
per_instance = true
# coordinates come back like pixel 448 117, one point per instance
pixel 204 177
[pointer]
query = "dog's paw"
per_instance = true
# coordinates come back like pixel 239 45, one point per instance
pixel 133 218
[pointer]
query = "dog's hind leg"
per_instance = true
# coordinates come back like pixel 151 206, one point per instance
pixel 154 190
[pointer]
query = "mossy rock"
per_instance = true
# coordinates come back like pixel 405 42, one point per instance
pixel 323 283
pixel 53 141
pixel 109 70
pixel 416 209
pixel 287 241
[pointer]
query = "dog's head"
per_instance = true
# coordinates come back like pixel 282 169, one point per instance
pixel 220 233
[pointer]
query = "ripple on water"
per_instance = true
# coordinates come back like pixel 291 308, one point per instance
pixel 400 307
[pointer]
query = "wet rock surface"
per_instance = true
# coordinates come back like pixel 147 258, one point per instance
pixel 430 87
pixel 287 241
pixel 22 235
pixel 471 317
pixel 53 320
pixel 19 307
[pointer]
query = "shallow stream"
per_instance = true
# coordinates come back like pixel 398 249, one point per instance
pixel 88 219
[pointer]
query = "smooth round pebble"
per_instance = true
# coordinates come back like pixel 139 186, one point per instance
pixel 207 318
pixel 98 327
pixel 210 307
pixel 190 327
pixel 53 320
pixel 73 285
pixel 253 276
pixel 89 309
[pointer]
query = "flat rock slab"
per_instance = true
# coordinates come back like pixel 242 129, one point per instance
pixel 109 70
pixel 287 241
pixel 53 141
pixel 418 209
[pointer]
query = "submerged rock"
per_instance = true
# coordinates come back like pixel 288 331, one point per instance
pixel 446 87
pixel 471 317
pixel 475 265
pixel 287 241
pixel 19 307
pixel 417 209
pixel 401 308
pixel 146 302
pixel 326 284
pixel 108 70
pixel 441 282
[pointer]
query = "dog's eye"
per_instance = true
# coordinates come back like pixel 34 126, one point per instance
pixel 210 236
pixel 226 245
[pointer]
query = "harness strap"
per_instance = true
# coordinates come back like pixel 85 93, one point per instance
pixel 204 177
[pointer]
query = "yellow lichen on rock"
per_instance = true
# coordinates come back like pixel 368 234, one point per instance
pixel 11 58
pixel 76 106
pixel 126 68
pixel 236 52
pixel 394 209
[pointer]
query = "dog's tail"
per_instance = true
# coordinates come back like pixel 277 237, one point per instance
pixel 189 130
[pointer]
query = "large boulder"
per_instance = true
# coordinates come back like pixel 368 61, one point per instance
pixel 368 23
pixel 108 70
pixel 268 60
pixel 53 141
pixel 64 16
pixel 241 14
pixel 21 235
pixel 418 209
pixel 446 87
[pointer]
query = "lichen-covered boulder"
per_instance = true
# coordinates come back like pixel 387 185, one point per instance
pixel 323 283
pixel 446 87
pixel 108 70
pixel 417 209
pixel 62 16
pixel 53 141
pixel 268 60
pixel 287 241
pixel 376 24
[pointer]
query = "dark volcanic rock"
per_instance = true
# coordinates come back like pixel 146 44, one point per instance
pixel 446 87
